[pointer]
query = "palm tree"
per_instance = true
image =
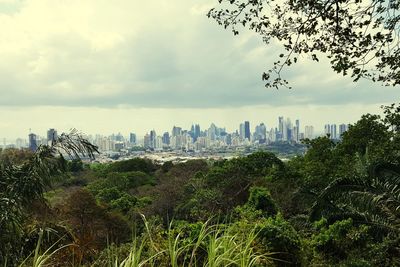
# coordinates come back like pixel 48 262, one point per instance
pixel 21 184
pixel 372 198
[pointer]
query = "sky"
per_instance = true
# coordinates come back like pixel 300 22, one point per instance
pixel 126 66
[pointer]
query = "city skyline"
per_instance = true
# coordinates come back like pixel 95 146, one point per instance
pixel 106 123
pixel 283 130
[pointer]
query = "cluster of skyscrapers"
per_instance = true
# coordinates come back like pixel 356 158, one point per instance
pixel 198 139
pixel 331 130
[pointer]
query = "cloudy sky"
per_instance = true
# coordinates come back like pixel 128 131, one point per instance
pixel 127 65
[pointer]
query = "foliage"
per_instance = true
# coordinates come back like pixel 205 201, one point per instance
pixel 339 239
pixel 135 164
pixel 260 199
pixel 280 237
pixel 336 205
pixel 24 182
pixel 359 38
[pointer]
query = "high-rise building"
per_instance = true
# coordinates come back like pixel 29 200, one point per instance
pixel 51 136
pixel 212 132
pixel 327 129
pixel 287 130
pixel 342 129
pixel 260 133
pixel 32 142
pixel 165 138
pixel 146 141
pixel 197 132
pixel 242 131
pixel 297 132
pixel 132 138
pixel 153 138
pixel 247 130
pixel 280 128
pixel 176 131
pixel 309 132
pixel 333 132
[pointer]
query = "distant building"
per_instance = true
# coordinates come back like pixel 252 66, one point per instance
pixel 32 142
pixel 327 129
pixel 247 130
pixel 166 139
pixel 146 141
pixel 333 132
pixel 280 129
pixel 197 132
pixel 176 131
pixel 309 132
pixel 51 136
pixel 242 131
pixel 132 138
pixel 297 131
pixel 342 129
pixel 153 139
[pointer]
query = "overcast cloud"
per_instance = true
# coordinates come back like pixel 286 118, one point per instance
pixel 130 55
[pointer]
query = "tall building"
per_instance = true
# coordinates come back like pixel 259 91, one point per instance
pixel 146 141
pixel 327 130
pixel 333 132
pixel 287 130
pixel 165 138
pixel 342 128
pixel 153 139
pixel 32 142
pixel 197 132
pixel 51 136
pixel 309 132
pixel 241 131
pixel 176 131
pixel 297 132
pixel 260 133
pixel 132 138
pixel 212 132
pixel 247 130
pixel 280 128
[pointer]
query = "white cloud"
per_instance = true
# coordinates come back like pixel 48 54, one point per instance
pixel 149 54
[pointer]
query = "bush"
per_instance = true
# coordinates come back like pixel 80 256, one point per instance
pixel 280 237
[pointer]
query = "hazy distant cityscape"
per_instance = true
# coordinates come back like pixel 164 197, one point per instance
pixel 283 138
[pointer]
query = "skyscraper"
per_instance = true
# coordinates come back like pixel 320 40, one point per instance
pixel 297 131
pixel 153 138
pixel 247 130
pixel 327 130
pixel 309 132
pixel 212 132
pixel 342 128
pixel 241 131
pixel 166 139
pixel 32 142
pixel 51 136
pixel 176 131
pixel 132 138
pixel 333 132
pixel 280 128
pixel 196 132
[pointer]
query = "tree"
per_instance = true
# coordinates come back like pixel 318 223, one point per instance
pixel 373 199
pixel 25 182
pixel 360 38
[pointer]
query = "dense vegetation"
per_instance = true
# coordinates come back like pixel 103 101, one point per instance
pixel 336 205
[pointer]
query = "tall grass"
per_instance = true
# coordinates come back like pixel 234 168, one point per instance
pixel 215 245
pixel 41 259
